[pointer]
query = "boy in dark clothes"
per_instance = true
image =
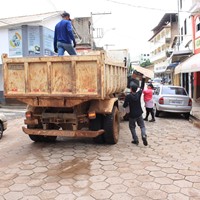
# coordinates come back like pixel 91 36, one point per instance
pixel 133 100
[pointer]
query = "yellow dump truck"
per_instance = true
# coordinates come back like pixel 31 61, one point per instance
pixel 73 96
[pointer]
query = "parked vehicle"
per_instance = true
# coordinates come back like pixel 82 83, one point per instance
pixel 156 82
pixel 3 124
pixel 72 96
pixel 172 99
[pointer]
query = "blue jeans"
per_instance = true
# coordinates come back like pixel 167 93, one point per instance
pixel 132 126
pixel 62 47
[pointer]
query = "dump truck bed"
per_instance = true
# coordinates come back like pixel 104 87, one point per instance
pixel 49 80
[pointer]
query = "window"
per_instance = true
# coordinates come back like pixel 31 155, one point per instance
pixel 198 27
pixel 181 33
pixel 185 27
pixel 173 90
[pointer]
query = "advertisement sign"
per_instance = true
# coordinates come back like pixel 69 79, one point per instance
pixel 33 40
pixel 48 36
pixel 15 42
pixel 196 33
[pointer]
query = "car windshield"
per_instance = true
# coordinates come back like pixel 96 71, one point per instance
pixel 157 80
pixel 174 90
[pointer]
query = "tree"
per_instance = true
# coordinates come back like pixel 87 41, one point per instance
pixel 146 63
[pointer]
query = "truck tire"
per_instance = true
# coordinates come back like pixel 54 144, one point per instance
pixel 37 138
pixel 42 138
pixel 95 125
pixel 111 126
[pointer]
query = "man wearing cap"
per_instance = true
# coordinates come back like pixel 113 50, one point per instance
pixel 135 116
pixel 63 36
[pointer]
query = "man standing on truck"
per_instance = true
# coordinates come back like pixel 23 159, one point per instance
pixel 64 37
pixel 133 100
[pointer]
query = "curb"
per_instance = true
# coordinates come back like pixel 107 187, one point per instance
pixel 195 121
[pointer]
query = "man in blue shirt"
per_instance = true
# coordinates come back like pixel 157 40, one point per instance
pixel 63 36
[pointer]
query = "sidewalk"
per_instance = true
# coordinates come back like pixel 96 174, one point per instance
pixel 195 113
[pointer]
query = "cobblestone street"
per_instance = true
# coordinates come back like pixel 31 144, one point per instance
pixel 168 168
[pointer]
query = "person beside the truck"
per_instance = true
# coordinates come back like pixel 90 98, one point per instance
pixel 148 100
pixel 133 100
pixel 63 36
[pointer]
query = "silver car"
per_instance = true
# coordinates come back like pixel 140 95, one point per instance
pixel 3 124
pixel 173 99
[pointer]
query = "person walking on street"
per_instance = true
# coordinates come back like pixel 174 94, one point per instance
pixel 133 100
pixel 148 100
pixel 63 36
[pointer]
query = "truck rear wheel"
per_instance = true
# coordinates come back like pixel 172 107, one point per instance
pixel 95 125
pixel 111 126
pixel 42 138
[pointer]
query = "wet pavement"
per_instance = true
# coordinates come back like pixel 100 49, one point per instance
pixel 168 168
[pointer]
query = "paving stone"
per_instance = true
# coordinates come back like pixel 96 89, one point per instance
pixel 170 188
pixel 101 194
pixel 177 196
pixel 99 185
pixel 114 180
pixel 18 187
pixel 98 178
pixel 13 195
pixel 191 192
pixel 183 183
pixel 65 197
pixel 50 186
pixel 137 191
pixel 117 188
pixel 32 191
pixel 121 196
pixel 157 194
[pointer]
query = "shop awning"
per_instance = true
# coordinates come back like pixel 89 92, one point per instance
pixel 147 72
pixel 172 65
pixel 192 64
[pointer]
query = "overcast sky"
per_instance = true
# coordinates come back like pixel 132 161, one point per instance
pixel 127 24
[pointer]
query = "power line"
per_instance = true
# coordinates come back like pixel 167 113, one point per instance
pixel 136 6
pixel 148 8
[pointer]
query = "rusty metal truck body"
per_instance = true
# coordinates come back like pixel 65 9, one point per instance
pixel 74 96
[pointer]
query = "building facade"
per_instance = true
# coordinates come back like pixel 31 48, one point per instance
pixel 189 70
pixel 161 44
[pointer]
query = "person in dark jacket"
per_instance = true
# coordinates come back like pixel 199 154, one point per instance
pixel 133 100
pixel 63 36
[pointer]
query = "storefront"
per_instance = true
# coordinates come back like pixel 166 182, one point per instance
pixel 190 75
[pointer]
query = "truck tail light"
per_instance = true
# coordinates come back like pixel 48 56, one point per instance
pixel 190 102
pixel 161 100
pixel 91 115
pixel 29 115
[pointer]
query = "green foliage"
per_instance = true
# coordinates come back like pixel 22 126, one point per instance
pixel 146 63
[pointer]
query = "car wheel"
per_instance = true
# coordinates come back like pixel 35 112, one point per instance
pixel 157 113
pixel 187 115
pixel 1 130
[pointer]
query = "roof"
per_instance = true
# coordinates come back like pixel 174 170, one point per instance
pixel 167 18
pixel 6 22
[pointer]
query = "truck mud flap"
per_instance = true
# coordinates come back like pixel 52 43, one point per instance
pixel 67 133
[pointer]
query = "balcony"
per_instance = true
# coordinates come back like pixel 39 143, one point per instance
pixel 159 56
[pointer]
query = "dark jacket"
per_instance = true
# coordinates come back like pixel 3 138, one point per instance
pixel 63 33
pixel 134 102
